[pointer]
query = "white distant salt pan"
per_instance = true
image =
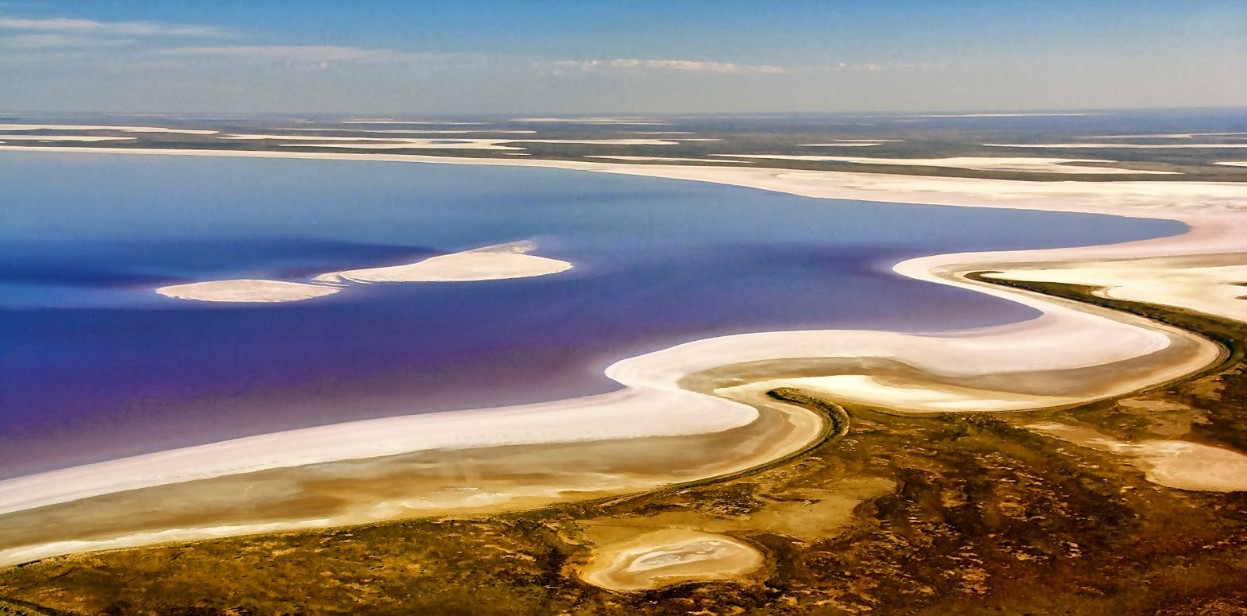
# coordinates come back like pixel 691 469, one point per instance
pixel 124 129
pixel 1120 146
pixel 675 159
pixel 977 163
pixel 63 138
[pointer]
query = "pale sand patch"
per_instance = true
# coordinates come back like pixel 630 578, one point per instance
pixel 1001 115
pixel 978 163
pixel 1218 289
pixel 247 290
pixel 411 144
pixel 666 557
pixel 416 122
pixel 413 131
pixel 368 140
pixel 1171 463
pixel 504 261
pixel 596 120
pixel 913 396
pixel 1166 136
pixel 1119 146
pixel 63 138
pixel 124 129
pixel 848 143
pixel 671 159
pixel 1233 163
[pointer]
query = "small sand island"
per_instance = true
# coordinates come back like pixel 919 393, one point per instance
pixel 500 262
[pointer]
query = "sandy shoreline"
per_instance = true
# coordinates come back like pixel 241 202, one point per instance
pixel 985 369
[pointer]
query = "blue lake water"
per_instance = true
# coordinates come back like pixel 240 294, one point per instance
pixel 95 365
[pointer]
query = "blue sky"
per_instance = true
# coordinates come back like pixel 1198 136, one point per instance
pixel 474 56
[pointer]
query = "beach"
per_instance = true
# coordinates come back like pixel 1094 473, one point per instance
pixel 701 391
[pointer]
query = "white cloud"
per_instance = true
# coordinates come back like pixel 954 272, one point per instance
pixel 313 54
pixel 633 64
pixel 563 67
pixel 113 28
pixel 57 41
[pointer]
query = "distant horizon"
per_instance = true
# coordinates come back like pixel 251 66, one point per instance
pixel 536 115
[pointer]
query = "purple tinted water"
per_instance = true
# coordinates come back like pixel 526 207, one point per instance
pixel 94 365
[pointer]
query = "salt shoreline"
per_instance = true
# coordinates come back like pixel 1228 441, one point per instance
pixel 1068 335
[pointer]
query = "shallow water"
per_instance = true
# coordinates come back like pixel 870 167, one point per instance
pixel 95 365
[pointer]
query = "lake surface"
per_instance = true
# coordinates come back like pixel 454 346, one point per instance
pixel 95 365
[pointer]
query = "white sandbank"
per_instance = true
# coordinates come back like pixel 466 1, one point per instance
pixel 1234 163
pixel 1119 146
pixel 412 131
pixel 49 138
pixel 124 129
pixel 1067 336
pixel 247 291
pixel 1166 136
pixel 910 396
pixel 978 163
pixel 1001 115
pixel 1172 463
pixel 1218 290
pixel 416 122
pixel 598 120
pixel 848 143
pixel 501 262
pixel 672 159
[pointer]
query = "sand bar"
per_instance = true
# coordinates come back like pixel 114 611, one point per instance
pixel 1120 146
pixel 978 163
pixel 124 129
pixel 670 159
pixel 84 138
pixel 501 262
pixel 247 291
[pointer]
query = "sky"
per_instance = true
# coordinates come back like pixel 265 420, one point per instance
pixel 619 56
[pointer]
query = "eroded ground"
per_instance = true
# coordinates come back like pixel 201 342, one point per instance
pixel 966 514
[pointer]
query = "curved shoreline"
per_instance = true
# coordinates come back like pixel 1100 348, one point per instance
pixel 1103 339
